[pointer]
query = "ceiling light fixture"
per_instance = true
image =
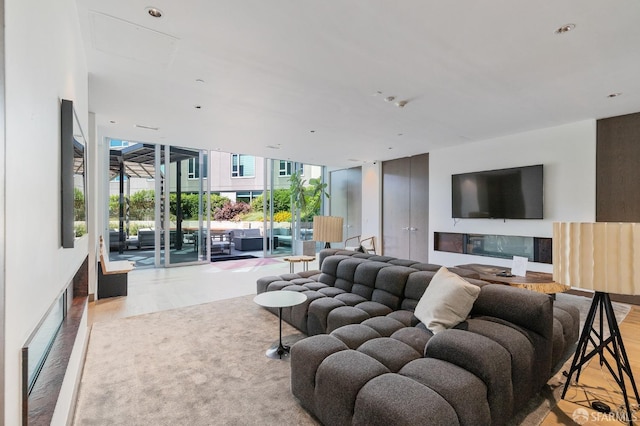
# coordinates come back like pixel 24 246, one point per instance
pixel 197 106
pixel 273 147
pixel 112 121
pixel 154 11
pixel 140 126
pixel 199 80
pixel 565 29
pixel 401 104
pixel 390 98
pixel 614 95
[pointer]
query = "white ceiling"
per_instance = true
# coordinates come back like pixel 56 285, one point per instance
pixel 311 77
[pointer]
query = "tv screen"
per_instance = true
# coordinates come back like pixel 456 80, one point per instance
pixel 515 193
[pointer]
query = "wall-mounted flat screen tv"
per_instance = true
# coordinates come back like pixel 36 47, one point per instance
pixel 515 193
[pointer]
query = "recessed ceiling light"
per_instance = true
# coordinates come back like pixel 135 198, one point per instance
pixel 614 95
pixel 400 134
pixel 389 98
pixel 273 147
pixel 154 11
pixel 199 80
pixel 112 121
pixel 197 106
pixel 312 131
pixel 565 29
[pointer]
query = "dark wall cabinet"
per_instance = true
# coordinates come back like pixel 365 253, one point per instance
pixel 618 169
pixel 405 208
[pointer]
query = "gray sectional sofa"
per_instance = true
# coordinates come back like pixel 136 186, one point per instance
pixel 369 360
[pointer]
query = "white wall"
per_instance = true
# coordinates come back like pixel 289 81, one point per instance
pixel 44 62
pixel 569 156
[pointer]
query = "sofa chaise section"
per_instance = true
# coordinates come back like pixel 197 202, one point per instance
pixel 479 373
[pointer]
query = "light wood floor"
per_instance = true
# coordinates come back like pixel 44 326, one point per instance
pixel 597 383
pixel 153 290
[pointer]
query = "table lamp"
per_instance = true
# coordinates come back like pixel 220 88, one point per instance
pixel 327 229
pixel 603 257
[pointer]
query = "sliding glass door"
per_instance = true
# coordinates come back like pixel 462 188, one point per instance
pixel 184 216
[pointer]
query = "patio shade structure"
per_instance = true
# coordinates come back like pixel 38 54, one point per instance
pixel 139 161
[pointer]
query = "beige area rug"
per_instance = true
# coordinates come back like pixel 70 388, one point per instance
pixel 199 365
pixel 205 365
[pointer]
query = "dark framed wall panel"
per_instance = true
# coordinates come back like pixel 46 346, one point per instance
pixel 66 173
pixel 618 169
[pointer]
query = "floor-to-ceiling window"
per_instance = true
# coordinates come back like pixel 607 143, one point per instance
pixel 159 204
pixel 178 202
pixel 188 218
pixel 291 203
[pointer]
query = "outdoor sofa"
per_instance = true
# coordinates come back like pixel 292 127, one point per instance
pixel 246 239
pixel 370 360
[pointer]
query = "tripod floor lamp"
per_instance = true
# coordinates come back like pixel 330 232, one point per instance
pixel 603 257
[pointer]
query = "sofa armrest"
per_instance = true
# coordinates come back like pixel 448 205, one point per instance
pixel 535 310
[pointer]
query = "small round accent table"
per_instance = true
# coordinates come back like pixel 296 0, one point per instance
pixel 279 299
pixel 295 259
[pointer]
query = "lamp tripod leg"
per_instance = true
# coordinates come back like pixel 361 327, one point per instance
pixel 583 342
pixel 603 302
pixel 620 355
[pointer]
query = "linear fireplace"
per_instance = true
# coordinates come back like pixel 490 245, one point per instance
pixel 46 353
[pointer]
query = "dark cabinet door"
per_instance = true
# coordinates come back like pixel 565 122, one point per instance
pixel 419 211
pixel 405 208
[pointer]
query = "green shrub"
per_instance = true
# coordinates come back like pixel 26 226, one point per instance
pixel 217 202
pixel 281 201
pixel 252 217
pixel 79 212
pixel 142 205
pixel 80 228
pixel 114 206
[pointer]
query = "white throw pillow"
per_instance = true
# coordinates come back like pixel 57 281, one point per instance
pixel 446 302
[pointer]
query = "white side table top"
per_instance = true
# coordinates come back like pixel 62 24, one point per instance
pixel 279 299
